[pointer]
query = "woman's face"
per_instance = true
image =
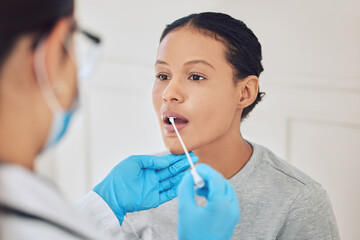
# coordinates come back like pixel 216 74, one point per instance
pixel 194 83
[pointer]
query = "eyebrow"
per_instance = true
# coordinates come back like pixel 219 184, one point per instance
pixel 187 63
pixel 161 62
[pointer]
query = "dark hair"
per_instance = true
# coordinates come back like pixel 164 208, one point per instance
pixel 243 50
pixel 20 17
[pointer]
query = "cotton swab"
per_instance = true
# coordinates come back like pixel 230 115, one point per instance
pixel 199 182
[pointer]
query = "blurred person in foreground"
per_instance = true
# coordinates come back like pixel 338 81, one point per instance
pixel 38 96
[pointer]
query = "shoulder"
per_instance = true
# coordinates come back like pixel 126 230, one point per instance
pixel 278 180
pixel 310 216
pixel 308 212
pixel 34 203
pixel 31 226
pixel 284 176
pixel 273 167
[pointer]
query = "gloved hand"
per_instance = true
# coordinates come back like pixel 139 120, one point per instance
pixel 218 218
pixel 142 182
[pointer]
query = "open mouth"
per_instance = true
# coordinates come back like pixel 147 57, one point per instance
pixel 179 120
pixel 176 120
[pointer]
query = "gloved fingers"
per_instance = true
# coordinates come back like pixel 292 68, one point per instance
pixel 171 182
pixel 186 191
pixel 202 191
pixel 172 170
pixel 175 158
pixel 152 162
pixel 166 196
pixel 214 181
pixel 177 167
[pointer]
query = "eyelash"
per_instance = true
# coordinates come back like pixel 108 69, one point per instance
pixel 161 75
pixel 191 77
pixel 196 75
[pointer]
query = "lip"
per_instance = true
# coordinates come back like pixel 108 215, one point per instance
pixel 168 126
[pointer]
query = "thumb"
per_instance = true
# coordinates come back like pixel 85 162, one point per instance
pixel 186 194
pixel 215 182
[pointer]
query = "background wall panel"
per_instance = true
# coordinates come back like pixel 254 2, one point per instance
pixel 310 115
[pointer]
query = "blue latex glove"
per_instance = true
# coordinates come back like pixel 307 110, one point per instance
pixel 142 182
pixel 218 218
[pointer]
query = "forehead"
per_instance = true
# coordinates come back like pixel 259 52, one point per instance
pixel 186 44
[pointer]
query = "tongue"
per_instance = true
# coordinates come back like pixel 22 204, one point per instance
pixel 177 120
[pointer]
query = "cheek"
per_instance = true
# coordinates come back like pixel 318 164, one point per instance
pixel 212 114
pixel 157 101
pixel 216 114
pixel 157 97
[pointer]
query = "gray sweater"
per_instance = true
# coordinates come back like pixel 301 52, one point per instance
pixel 277 201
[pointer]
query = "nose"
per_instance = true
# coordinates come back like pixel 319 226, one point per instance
pixel 173 92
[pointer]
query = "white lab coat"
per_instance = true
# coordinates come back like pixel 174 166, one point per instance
pixel 32 208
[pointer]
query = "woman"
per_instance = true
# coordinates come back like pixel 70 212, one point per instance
pixel 38 93
pixel 207 76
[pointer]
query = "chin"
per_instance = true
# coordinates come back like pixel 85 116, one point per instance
pixel 174 147
pixel 177 150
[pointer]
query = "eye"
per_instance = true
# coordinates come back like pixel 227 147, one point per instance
pixel 162 77
pixel 196 77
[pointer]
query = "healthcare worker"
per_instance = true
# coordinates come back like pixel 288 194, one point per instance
pixel 38 96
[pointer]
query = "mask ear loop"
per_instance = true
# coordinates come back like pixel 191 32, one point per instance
pixel 66 42
pixel 42 77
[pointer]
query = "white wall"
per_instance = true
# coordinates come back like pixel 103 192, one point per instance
pixel 310 116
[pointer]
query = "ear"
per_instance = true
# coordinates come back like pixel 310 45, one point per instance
pixel 247 91
pixel 55 52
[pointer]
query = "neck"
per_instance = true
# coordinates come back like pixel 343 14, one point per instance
pixel 228 154
pixel 19 124
pixel 14 146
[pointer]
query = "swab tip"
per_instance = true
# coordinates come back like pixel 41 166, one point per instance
pixel 171 119
pixel 198 180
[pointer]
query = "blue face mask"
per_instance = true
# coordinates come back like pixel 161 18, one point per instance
pixel 59 126
pixel 61 117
